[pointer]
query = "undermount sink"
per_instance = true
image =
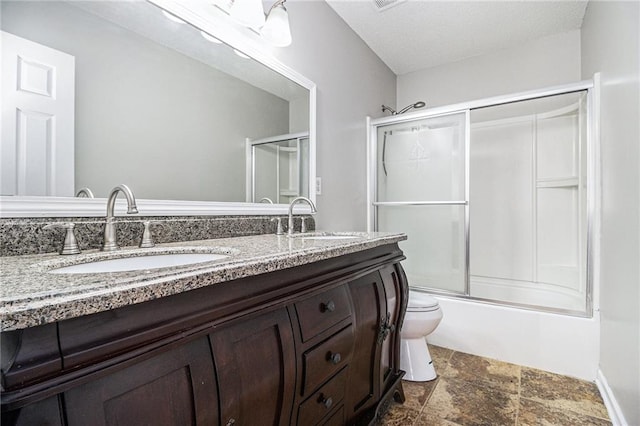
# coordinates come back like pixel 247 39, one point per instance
pixel 139 263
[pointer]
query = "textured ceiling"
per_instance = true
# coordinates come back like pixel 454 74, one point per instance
pixel 418 34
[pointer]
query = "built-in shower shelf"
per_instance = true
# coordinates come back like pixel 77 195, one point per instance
pixel 564 182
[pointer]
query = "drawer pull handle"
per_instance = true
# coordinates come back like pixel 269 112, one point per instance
pixel 327 402
pixel 328 307
pixel 335 358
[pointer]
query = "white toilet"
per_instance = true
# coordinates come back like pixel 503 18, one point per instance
pixel 423 316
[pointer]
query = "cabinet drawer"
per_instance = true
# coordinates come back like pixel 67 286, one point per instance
pixel 323 401
pixel 326 359
pixel 319 312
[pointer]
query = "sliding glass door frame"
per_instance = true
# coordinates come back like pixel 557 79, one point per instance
pixel 592 194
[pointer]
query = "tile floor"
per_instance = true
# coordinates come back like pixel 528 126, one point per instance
pixel 471 390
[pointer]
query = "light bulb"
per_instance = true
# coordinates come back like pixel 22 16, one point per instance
pixel 276 29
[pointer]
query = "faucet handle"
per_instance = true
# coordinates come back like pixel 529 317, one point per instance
pixel 70 245
pixel 303 224
pixel 147 237
pixel 279 230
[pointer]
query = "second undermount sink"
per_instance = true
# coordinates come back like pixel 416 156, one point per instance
pixel 139 263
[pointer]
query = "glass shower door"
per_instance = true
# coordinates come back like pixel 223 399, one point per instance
pixel 421 190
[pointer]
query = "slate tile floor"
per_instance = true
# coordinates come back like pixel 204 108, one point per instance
pixel 471 390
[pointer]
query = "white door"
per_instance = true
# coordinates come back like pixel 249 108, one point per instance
pixel 37 145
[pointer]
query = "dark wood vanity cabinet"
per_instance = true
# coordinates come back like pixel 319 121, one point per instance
pixel 313 345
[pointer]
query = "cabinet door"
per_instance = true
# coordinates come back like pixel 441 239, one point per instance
pixel 176 387
pixel 393 280
pixel 255 362
pixel 367 294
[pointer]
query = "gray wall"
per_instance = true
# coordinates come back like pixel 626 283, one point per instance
pixel 539 63
pixel 165 124
pixel 610 44
pixel 352 83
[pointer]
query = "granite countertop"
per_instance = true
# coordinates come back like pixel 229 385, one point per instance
pixel 30 295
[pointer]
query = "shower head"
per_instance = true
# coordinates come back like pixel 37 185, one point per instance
pixel 419 104
pixel 416 105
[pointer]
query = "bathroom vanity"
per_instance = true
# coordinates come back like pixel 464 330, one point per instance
pixel 283 331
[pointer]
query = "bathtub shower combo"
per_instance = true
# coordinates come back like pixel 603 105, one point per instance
pixel 497 198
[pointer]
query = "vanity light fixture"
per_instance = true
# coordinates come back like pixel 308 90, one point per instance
pixel 276 29
pixel 272 26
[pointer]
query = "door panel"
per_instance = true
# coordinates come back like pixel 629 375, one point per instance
pixel 367 297
pixel 176 387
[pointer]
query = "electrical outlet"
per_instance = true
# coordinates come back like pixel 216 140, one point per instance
pixel 318 185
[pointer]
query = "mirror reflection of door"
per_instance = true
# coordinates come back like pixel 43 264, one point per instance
pixel 37 146
pixel 278 168
pixel 153 95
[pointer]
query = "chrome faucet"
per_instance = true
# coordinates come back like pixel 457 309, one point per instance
pixel 293 203
pixel 110 243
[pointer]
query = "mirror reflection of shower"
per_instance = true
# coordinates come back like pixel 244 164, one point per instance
pixel 419 104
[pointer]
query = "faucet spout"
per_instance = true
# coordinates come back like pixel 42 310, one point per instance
pixel 85 192
pixel 109 243
pixel 293 203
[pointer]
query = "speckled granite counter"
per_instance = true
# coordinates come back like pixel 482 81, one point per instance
pixel 30 295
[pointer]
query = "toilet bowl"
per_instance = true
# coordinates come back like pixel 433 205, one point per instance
pixel 422 318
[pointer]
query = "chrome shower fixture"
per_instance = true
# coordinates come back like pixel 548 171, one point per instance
pixel 419 104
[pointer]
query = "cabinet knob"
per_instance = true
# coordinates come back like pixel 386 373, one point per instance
pixel 231 422
pixel 328 307
pixel 335 358
pixel 327 402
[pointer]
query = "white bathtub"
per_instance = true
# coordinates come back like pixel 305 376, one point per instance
pixel 558 343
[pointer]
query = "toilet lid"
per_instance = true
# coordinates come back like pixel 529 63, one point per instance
pixel 419 301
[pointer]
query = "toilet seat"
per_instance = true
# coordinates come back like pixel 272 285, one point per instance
pixel 421 302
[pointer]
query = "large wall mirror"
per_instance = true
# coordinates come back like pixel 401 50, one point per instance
pixel 101 93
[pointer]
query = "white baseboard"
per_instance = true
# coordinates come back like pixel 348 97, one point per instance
pixel 615 413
